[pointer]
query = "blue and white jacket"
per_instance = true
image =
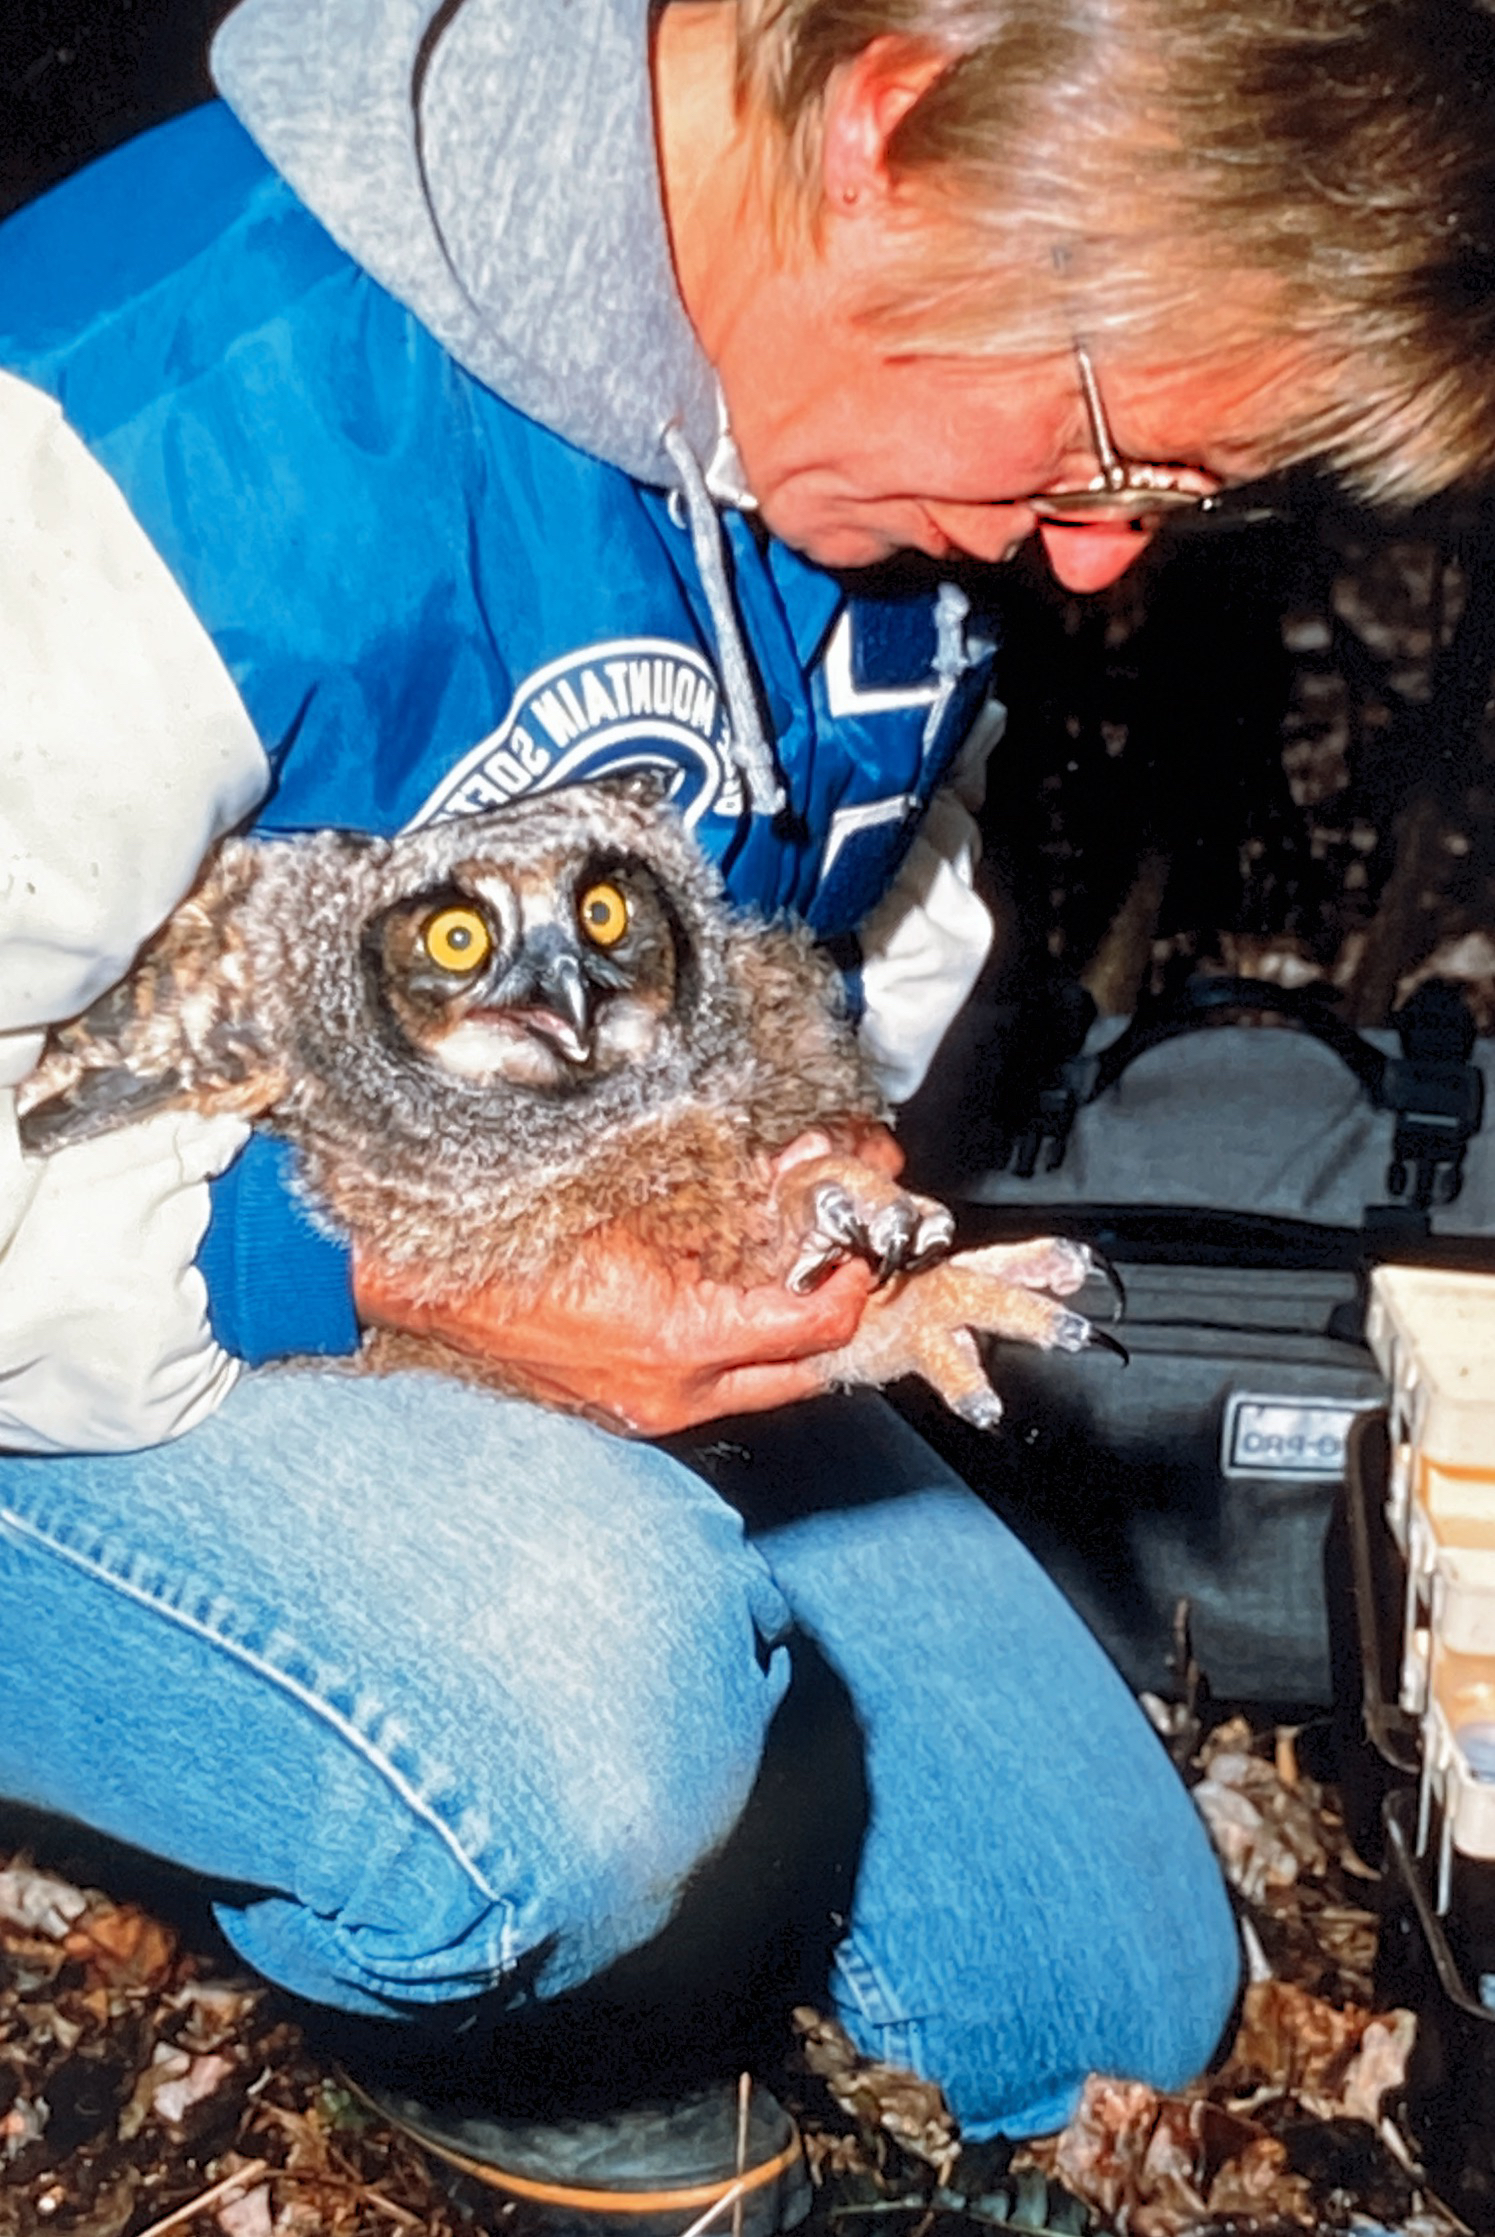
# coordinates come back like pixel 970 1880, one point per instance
pixel 272 551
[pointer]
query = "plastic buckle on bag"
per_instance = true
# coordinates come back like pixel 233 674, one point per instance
pixel 1047 1134
pixel 1067 1080
pixel 1438 1107
pixel 1438 1097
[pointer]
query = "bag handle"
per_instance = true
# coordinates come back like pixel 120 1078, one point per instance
pixel 1205 1000
pixel 1435 1094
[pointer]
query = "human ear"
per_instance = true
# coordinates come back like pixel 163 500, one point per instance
pixel 866 100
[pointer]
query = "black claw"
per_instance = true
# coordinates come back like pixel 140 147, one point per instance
pixel 897 1251
pixel 1101 1339
pixel 935 1256
pixel 836 1217
pixel 1102 1265
pixel 805 1283
pixel 840 1221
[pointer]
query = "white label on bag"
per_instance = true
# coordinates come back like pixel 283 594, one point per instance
pixel 1300 1437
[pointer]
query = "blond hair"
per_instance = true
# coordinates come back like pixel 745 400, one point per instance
pixel 1186 175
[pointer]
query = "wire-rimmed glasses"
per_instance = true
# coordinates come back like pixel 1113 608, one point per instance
pixel 1131 493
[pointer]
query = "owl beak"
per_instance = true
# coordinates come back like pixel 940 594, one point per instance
pixel 568 998
pixel 546 990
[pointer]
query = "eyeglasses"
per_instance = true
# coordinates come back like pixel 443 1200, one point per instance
pixel 1128 493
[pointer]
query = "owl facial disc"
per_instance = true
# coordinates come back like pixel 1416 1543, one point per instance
pixel 549 977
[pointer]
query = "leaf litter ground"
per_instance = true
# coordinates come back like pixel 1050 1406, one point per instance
pixel 148 2088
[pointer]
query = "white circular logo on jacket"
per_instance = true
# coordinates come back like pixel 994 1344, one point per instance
pixel 630 703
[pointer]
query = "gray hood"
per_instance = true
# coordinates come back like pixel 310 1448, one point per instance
pixel 492 163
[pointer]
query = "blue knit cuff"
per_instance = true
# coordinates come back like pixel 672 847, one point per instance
pixel 277 1285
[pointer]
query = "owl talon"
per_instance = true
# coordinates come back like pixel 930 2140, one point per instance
pixel 892 1236
pixel 1072 1332
pixel 1101 1265
pixel 816 1264
pixel 933 1240
pixel 1101 1340
pixel 895 1238
pixel 982 1409
pixel 1069 1332
pixel 837 1219
pixel 836 1233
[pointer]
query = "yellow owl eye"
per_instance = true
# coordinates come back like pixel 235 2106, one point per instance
pixel 457 939
pixel 604 915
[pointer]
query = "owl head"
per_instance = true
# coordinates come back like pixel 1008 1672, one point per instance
pixel 543 951
pixel 570 949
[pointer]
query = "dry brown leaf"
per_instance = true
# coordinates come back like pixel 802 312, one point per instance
pixel 1160 2166
pixel 167 2064
pixel 216 2011
pixel 204 2076
pixel 1289 2037
pixel 1167 2175
pixel 1265 1818
pixel 248 2215
pixel 875 2095
pixel 1254 1855
pixel 1298 2044
pixel 1099 2152
pixel 38 1902
pixel 20 2126
pixel 125 1946
pixel 1256 2184
pixel 300 2218
pixel 1379 2065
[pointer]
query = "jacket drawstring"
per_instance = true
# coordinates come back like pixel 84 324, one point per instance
pixel 750 748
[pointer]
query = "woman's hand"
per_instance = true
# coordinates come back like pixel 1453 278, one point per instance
pixel 876 1145
pixel 646 1345
pixel 637 1342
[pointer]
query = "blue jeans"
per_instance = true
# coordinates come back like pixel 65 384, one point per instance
pixel 446 1691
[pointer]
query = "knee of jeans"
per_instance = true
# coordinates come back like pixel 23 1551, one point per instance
pixel 539 1809
pixel 1017 2068
pixel 1140 1983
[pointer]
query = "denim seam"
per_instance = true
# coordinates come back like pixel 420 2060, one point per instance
pixel 898 2036
pixel 348 1731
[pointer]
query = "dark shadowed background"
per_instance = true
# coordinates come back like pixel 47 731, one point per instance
pixel 79 76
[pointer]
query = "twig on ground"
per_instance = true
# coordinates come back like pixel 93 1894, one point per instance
pixel 217 2194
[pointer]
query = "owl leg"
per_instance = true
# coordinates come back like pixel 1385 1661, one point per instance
pixel 949 1360
pixel 839 1209
pixel 927 1325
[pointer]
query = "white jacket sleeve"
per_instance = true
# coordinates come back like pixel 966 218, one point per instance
pixel 125 751
pixel 924 944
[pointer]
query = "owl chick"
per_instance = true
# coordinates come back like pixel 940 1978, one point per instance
pixel 497 1040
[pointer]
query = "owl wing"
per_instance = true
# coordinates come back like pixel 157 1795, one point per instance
pixel 179 1032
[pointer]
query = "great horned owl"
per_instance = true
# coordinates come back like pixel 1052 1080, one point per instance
pixel 496 1039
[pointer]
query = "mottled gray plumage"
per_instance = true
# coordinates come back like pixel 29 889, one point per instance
pixel 292 985
pixel 496 1040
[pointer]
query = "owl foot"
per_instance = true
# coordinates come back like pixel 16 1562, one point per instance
pixel 1049 1262
pixel 841 1209
pixel 927 1324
